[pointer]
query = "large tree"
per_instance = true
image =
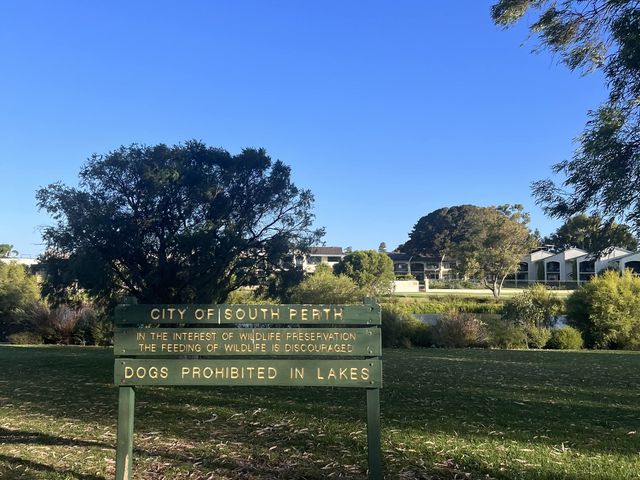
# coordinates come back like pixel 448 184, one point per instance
pixel 182 223
pixel 592 234
pixel 439 233
pixel 604 174
pixel 501 239
pixel 486 242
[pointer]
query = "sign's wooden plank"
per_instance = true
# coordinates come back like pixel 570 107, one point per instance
pixel 350 342
pixel 324 373
pixel 247 314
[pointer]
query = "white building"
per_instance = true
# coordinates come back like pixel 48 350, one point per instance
pixel 317 255
pixel 630 261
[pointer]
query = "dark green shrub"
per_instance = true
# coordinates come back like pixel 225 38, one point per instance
pixel 505 334
pixel 94 328
pixel 565 338
pixel 458 330
pixel 25 338
pixel 400 329
pixel 606 310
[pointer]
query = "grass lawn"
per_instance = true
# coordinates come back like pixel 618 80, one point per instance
pixel 463 414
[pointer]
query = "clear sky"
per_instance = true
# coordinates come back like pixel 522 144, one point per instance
pixel 385 110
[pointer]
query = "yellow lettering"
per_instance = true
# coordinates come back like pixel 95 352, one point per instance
pixel 155 314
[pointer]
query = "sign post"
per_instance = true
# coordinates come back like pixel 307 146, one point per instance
pixel 319 345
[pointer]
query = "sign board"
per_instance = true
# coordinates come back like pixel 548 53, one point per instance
pixel 268 345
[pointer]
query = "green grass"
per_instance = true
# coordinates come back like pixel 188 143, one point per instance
pixel 462 414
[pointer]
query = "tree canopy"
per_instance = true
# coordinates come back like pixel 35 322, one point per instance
pixel 590 233
pixel 604 174
pixel 485 242
pixel 439 232
pixel 372 271
pixel 5 249
pixel 182 223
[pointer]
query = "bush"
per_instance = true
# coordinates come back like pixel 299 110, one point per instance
pixel 459 330
pixel 449 304
pixel 505 334
pixel 247 296
pixel 25 338
pixel 93 328
pixel 537 337
pixel 62 324
pixel 18 289
pixel 606 310
pixel 565 338
pixel 535 308
pixel 400 329
pixel 325 287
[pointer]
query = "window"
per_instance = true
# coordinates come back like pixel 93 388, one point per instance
pixel 553 267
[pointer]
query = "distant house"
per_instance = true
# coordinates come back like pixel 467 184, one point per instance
pixel 421 268
pixel 27 262
pixel 630 261
pixel 531 268
pixel 561 267
pixel 573 265
pixel 318 255
pixel 33 265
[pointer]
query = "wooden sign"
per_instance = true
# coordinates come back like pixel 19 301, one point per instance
pixel 348 342
pixel 271 345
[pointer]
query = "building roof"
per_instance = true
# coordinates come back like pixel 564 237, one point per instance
pixel 326 251
pixel 405 257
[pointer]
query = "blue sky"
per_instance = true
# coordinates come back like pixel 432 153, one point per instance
pixel 385 110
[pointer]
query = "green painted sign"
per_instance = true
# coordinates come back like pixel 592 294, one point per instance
pixel 248 314
pixel 343 342
pixel 327 373
pixel 271 345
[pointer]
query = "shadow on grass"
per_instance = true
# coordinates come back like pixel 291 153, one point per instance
pixel 24 437
pixel 17 468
